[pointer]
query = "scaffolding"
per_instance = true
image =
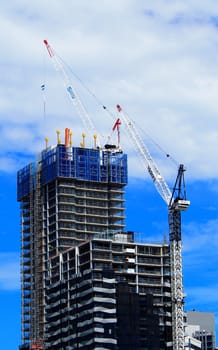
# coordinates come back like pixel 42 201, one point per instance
pixel 32 258
pixel 85 164
pixel 76 163
pixel 37 334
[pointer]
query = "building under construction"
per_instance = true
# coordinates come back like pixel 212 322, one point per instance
pixel 86 283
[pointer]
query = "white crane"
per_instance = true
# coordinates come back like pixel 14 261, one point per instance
pixel 81 110
pixel 176 202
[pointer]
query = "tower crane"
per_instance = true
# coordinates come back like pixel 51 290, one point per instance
pixel 176 202
pixel 175 199
pixel 80 108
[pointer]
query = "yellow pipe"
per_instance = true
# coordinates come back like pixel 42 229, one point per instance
pixel 95 141
pixel 83 142
pixel 58 136
pixel 46 142
pixel 71 142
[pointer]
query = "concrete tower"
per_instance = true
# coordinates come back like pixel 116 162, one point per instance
pixel 67 196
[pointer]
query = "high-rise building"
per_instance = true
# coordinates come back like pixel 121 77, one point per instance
pixel 83 276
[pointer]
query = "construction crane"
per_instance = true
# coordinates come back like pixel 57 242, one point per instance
pixel 71 91
pixel 176 202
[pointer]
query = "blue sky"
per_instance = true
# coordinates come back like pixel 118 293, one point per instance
pixel 159 61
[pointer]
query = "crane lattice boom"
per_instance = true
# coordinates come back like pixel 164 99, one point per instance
pixel 81 110
pixel 146 158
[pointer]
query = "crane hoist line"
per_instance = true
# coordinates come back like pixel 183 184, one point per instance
pixel 176 202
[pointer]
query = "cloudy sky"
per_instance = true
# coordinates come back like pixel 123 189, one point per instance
pixel 159 61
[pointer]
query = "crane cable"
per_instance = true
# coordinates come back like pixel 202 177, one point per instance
pixel 108 111
pixel 157 145
pixel 99 102
pixel 91 93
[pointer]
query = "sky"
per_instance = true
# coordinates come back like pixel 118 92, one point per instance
pixel 159 61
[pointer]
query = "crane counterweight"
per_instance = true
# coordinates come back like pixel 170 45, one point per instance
pixel 181 205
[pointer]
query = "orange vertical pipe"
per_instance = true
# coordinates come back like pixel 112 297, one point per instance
pixel 67 136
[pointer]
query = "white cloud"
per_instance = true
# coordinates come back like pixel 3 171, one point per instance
pixel 158 60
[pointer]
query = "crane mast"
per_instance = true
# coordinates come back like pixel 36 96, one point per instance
pixel 176 202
